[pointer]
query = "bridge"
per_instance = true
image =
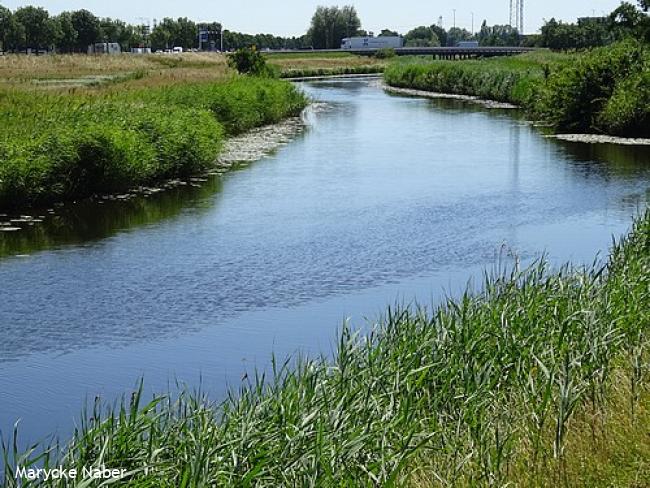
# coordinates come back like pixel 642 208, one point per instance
pixel 438 52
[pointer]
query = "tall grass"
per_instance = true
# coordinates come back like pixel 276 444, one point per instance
pixel 602 91
pixel 57 146
pixel 336 71
pixel 472 393
pixel 511 79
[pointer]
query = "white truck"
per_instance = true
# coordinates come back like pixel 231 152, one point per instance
pixel 381 42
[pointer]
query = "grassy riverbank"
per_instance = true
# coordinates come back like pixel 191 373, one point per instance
pixel 602 91
pixel 541 379
pixel 65 139
pixel 301 65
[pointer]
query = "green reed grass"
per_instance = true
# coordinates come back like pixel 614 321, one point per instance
pixel 59 146
pixel 601 91
pixel 467 392
pixel 332 71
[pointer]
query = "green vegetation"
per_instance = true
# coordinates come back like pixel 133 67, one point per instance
pixel 335 71
pixel 625 21
pixel 603 91
pixel 385 53
pixel 57 146
pixel 249 61
pixel 540 379
pixel 329 25
pixel 511 79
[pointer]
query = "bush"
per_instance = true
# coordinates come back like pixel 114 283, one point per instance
pixel 627 112
pixel 385 53
pixel 574 97
pixel 249 61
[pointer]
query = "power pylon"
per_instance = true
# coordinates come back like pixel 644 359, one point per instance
pixel 517 15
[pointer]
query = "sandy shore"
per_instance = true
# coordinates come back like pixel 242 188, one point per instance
pixel 600 139
pixel 468 98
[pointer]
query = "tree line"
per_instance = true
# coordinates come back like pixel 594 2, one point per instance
pixel 625 21
pixel 34 28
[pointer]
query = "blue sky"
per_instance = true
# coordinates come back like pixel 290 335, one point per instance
pixel 291 17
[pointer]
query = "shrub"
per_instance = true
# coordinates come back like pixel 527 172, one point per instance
pixel 574 97
pixel 627 112
pixel 385 53
pixel 249 61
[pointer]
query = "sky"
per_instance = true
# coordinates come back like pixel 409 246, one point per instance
pixel 291 17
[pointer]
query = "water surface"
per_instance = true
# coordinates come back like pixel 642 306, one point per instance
pixel 382 199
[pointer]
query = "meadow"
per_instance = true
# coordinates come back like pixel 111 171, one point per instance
pixel 603 91
pixel 538 378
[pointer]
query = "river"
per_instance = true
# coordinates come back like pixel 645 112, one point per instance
pixel 382 199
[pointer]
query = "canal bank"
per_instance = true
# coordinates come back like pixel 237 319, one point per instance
pixel 338 223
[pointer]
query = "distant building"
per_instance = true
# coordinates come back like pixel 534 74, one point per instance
pixel 104 48
pixel 467 44
pixel 369 42
pixel 140 50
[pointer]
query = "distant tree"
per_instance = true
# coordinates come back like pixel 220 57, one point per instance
pixel 388 33
pixel 644 5
pixel 186 34
pixel 13 34
pixel 6 19
pixel 456 34
pixel 422 36
pixel 441 33
pixel 498 35
pixel 66 34
pixel 39 28
pixel 88 28
pixel 330 25
pixel 163 34
pixel 172 33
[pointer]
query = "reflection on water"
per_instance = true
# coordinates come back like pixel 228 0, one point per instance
pixel 79 223
pixel 384 195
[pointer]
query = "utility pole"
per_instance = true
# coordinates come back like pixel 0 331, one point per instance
pixel 472 23
pixel 454 18
pixel 221 36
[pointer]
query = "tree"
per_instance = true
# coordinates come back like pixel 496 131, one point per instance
pixel 88 28
pixel 422 36
pixel 388 33
pixel 498 35
pixel 66 34
pixel 162 34
pixel 626 16
pixel 644 5
pixel 456 34
pixel 186 34
pixel 38 27
pixel 330 25
pixel 441 33
pixel 6 19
